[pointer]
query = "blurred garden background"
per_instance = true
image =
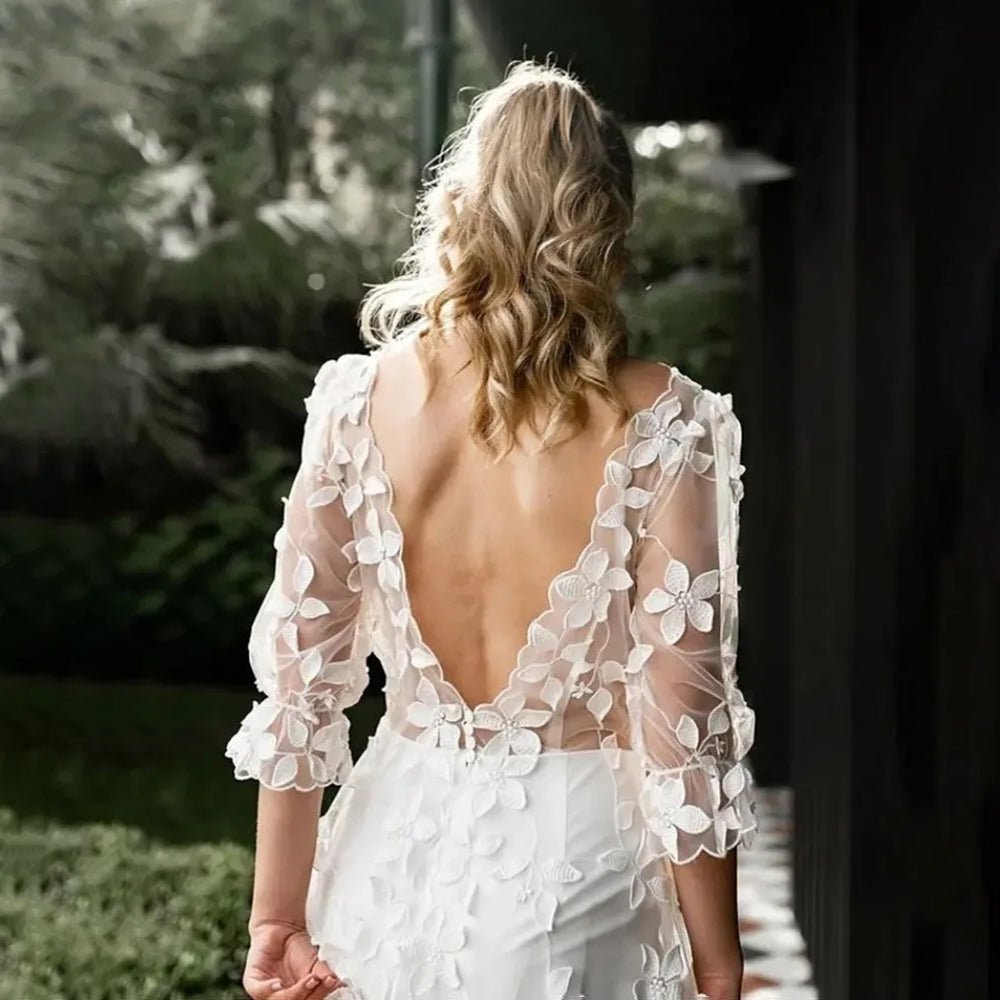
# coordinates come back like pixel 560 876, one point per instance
pixel 194 195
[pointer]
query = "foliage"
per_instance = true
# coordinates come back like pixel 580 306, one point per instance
pixel 144 136
pixel 207 173
pixel 104 913
pixel 686 300
pixel 692 320
pixel 186 582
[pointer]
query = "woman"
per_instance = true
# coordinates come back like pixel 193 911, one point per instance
pixel 550 806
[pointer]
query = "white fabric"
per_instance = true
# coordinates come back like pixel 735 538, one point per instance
pixel 519 849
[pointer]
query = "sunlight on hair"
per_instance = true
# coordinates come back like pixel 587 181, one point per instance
pixel 518 251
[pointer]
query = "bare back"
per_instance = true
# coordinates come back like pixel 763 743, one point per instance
pixel 495 533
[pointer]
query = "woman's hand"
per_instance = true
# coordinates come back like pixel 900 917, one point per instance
pixel 283 964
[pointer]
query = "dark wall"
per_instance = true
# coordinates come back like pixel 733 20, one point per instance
pixel 822 526
pixel 895 531
pixel 763 401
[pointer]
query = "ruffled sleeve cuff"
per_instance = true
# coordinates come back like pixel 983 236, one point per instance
pixel 702 807
pixel 286 746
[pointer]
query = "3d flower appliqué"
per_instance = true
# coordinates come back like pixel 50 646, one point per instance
pixel 406 827
pixel 664 436
pixel 433 954
pixel 590 588
pixel 438 721
pixel 285 610
pixel 345 381
pixel 680 600
pixel 513 724
pixel 255 740
pixel 632 497
pixel 668 813
pixel 495 777
pixel 662 976
pixel 380 548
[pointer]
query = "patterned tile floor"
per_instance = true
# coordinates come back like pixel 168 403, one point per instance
pixel 775 963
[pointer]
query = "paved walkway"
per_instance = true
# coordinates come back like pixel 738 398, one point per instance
pixel 775 963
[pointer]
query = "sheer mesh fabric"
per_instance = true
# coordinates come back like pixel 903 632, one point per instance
pixel 635 649
pixel 307 651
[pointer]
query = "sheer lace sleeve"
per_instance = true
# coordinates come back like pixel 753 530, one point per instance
pixel 689 717
pixel 307 647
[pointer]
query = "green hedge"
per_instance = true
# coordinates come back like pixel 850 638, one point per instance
pixel 126 873
pixel 101 912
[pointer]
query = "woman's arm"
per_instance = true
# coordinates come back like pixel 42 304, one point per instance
pixel 689 716
pixel 706 889
pixel 286 842
pixel 283 962
pixel 308 651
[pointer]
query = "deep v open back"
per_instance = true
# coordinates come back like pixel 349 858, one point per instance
pixel 499 530
pixel 538 822
pixel 545 631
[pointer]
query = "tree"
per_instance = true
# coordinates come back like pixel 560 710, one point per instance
pixel 685 305
pixel 187 188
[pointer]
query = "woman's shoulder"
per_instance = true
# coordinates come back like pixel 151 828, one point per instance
pixel 641 381
pixel 667 394
pixel 645 383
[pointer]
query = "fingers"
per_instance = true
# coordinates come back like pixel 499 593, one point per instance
pixel 312 986
pixel 325 985
pixel 260 989
pixel 328 981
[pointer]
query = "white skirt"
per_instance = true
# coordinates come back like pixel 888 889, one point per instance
pixel 445 873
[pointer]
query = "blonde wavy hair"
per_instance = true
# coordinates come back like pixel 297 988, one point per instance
pixel 519 250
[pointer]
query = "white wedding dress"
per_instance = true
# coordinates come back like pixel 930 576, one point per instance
pixel 520 849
